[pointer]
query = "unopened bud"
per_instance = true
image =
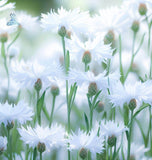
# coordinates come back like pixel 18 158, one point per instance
pixel 83 153
pixel 10 125
pixel 132 104
pixel 92 89
pixel 38 85
pixel 112 140
pixel 55 90
pixel 86 57
pixel 142 9
pixel 41 147
pixel 68 34
pixel 100 107
pixel 3 37
pixel 62 31
pixel 132 157
pixel 109 37
pixel 135 26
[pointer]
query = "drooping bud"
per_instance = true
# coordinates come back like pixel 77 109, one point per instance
pixel 142 9
pixel 83 153
pixel 135 26
pixel 10 125
pixel 132 104
pixel 100 107
pixel 38 85
pixel 112 140
pixel 62 31
pixel 86 57
pixel 4 37
pixel 41 147
pixel 55 90
pixel 92 89
pixel 132 157
pixel 109 37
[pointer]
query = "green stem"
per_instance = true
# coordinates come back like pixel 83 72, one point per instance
pixel 38 114
pixel 150 132
pixel 91 118
pixel 86 67
pixel 40 155
pixel 9 147
pixel 107 151
pixel 114 154
pixel 129 137
pixel 132 58
pixel 52 111
pixel 120 60
pixel 64 51
pixel 35 153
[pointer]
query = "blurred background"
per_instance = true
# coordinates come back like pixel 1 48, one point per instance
pixel 36 7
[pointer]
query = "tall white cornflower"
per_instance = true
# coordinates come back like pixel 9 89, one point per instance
pixel 90 50
pixel 72 21
pixel 128 93
pixel 84 142
pixel 112 130
pixel 33 74
pixel 43 137
pixel 5 6
pixel 20 112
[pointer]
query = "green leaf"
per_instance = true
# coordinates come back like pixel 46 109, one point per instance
pixel 95 98
pixel 46 112
pixel 87 122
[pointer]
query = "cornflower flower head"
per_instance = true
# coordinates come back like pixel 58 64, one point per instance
pixel 112 130
pixel 72 21
pixel 84 142
pixel 20 112
pixel 129 93
pixel 33 74
pixel 91 50
pixel 43 137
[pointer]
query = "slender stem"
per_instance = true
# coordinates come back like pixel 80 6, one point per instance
pixel 86 67
pixel 91 118
pixel 38 114
pixel 40 155
pixel 52 111
pixel 129 137
pixel 150 132
pixel 64 51
pixel 114 154
pixel 107 151
pixel 35 153
pixel 9 147
pixel 132 58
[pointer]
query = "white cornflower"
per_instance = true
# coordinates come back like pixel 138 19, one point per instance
pixel 3 144
pixel 84 142
pixel 99 82
pixel 30 74
pixel 95 49
pixel 72 20
pixel 20 112
pixel 48 137
pixel 111 19
pixel 4 6
pixel 112 129
pixel 139 92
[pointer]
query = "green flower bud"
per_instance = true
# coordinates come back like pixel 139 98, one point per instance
pixel 10 125
pixel 142 9
pixel 62 31
pixel 135 26
pixel 55 90
pixel 4 37
pixel 68 34
pixel 112 140
pixel 38 85
pixel 132 157
pixel 41 147
pixel 109 37
pixel 83 153
pixel 86 57
pixel 92 89
pixel 100 107
pixel 132 104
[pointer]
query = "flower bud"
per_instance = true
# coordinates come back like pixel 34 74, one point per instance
pixel 4 37
pixel 68 34
pixel 132 157
pixel 41 147
pixel 92 89
pixel 132 104
pixel 112 140
pixel 109 37
pixel 38 85
pixel 10 125
pixel 135 26
pixel 142 9
pixel 100 107
pixel 86 57
pixel 83 153
pixel 55 90
pixel 62 31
